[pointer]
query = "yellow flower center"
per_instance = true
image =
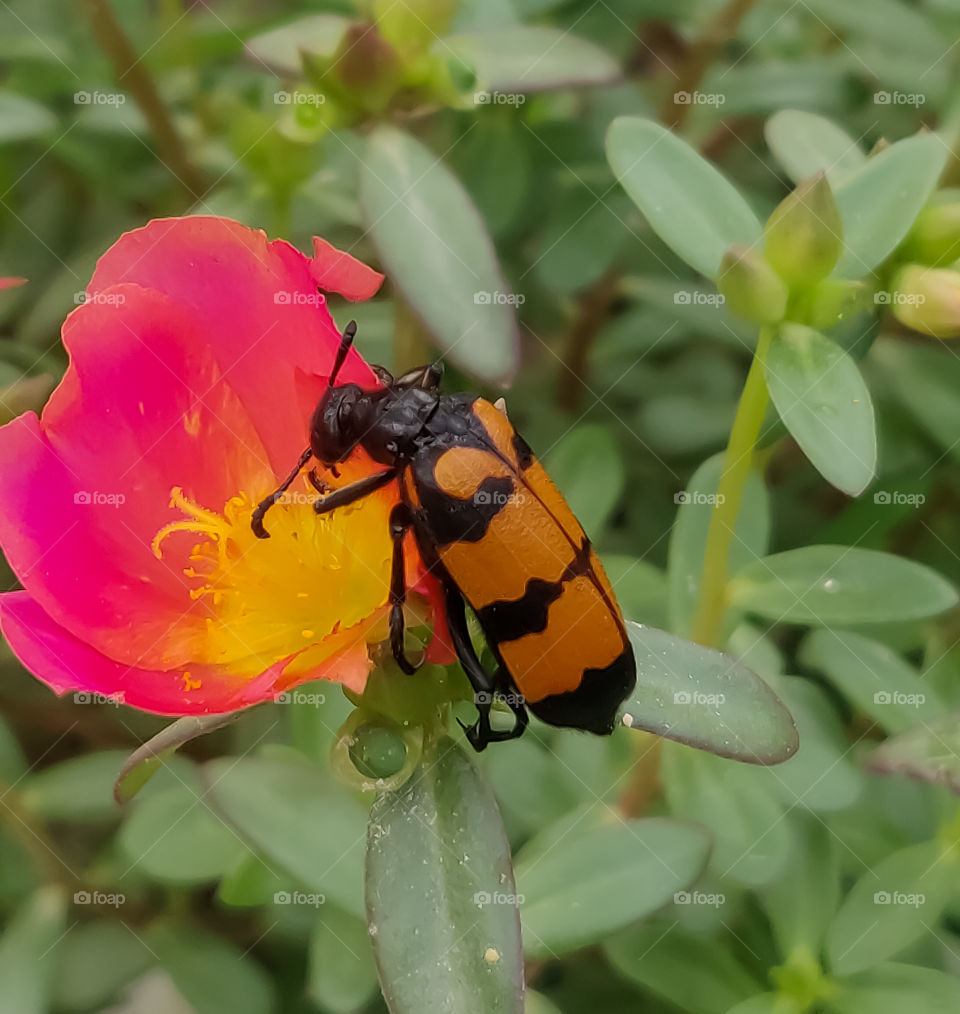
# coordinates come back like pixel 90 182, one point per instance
pixel 320 582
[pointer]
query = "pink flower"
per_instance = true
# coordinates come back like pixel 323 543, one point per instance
pixel 195 363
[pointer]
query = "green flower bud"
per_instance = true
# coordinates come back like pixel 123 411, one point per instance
pixel 750 286
pixel 377 751
pixel 934 238
pixel 367 67
pixel 804 235
pixel 373 752
pixel 833 301
pixel 413 25
pixel 926 300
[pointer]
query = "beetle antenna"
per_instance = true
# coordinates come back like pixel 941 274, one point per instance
pixel 349 333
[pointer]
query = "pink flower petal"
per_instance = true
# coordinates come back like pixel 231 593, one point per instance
pixel 67 664
pixel 336 271
pixel 11 283
pixel 258 304
pixel 142 408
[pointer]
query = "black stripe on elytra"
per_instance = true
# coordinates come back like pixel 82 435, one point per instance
pixel 508 620
pixel 451 519
pixel 511 619
pixel 523 451
pixel 594 704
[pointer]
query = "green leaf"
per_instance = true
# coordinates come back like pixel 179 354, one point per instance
pixel 587 467
pixel 887 22
pixel 581 240
pixel 770 1003
pixel 541 796
pixel 657 957
pixel 688 537
pixel 176 838
pixel 925 379
pixel 703 698
pixel 438 860
pixel 342 976
pixel 821 776
pixel 531 58
pixel 825 404
pixel 23 119
pixel 930 753
pixel 641 588
pixel 80 788
pixel 873 677
pixel 879 202
pixel 412 202
pixel 251 882
pixel 696 211
pixel 893 988
pixel 893 904
pixel 94 962
pixel 599 879
pixel 801 904
pixel 317 35
pixel 28 962
pixel 148 758
pixel 213 976
pixel 805 143
pixel 734 802
pixel 13 764
pixel 822 585
pixel 297 817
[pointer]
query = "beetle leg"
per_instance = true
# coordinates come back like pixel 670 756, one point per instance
pixel 399 523
pixel 484 686
pixel 256 521
pixel 355 491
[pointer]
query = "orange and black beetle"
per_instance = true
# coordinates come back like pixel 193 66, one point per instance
pixel 494 528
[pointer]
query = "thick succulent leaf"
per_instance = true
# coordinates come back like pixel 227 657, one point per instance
pixel 441 902
pixel 706 699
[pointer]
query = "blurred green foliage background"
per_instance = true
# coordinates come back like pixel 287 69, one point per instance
pixel 624 372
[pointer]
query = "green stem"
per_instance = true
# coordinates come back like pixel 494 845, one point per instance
pixel 708 619
pixel 718 32
pixel 136 79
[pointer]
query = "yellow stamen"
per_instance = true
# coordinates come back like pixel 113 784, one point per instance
pixel 320 579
